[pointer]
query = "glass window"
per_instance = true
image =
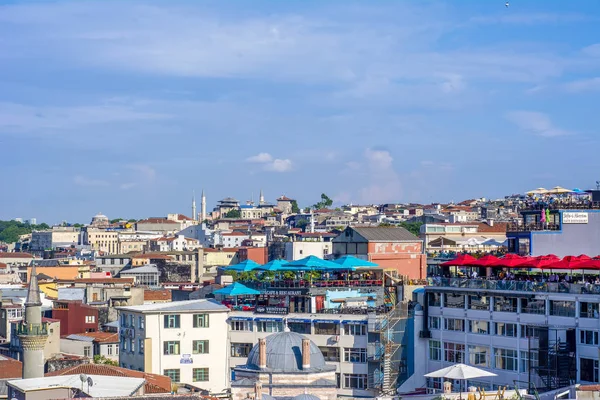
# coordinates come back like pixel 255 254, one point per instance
pixel 174 374
pixel 529 358
pixel 479 327
pixel 506 359
pixel 90 319
pixel 171 347
pixel 434 299
pixel 355 329
pixel 588 310
pixel 505 304
pixel 355 355
pixel 200 346
pixel 355 381
pixel 562 308
pixel 588 337
pixel 454 300
pixel 588 370
pixel 454 352
pixel 269 326
pixel 479 356
pixel 200 320
pixel 479 302
pixel 300 327
pixel 141 322
pixel 435 350
pixel 132 345
pixel 533 306
pixel 322 328
pixel 240 349
pixel 530 331
pixel 330 353
pixel 200 374
pixel 141 346
pixel 172 321
pixel 87 351
pixel 505 329
pixel 452 324
pixel 434 322
pixel 109 349
pixel 241 325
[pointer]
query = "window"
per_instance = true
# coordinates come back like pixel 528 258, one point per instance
pixel 171 347
pixel 90 319
pixel 454 352
pixel 172 321
pixel 200 374
pixel 454 300
pixel 355 355
pixel 116 350
pixel 330 353
pixel 355 329
pixel 562 308
pixel 326 328
pixel 530 331
pixel 268 326
pixel 109 349
pixel 435 350
pixel 241 325
pixel 588 310
pixel 479 356
pixel 200 320
pixel 506 359
pixel 533 306
pixel 132 345
pixel 452 324
pixel 141 322
pixel 300 327
pixel 124 344
pixel 505 304
pixel 434 322
pixel 504 329
pixel 588 337
pixel 479 302
pixel 434 299
pixel 529 358
pixel 141 346
pixel 588 369
pixel 479 327
pixel 123 320
pixel 87 351
pixel 355 381
pixel 240 349
pixel 200 347
pixel 174 374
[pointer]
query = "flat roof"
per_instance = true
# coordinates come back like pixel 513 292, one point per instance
pixel 178 306
pixel 301 316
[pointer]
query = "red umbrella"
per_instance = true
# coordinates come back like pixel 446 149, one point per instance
pixel 586 262
pixel 485 261
pixel 461 261
pixel 540 261
pixel 509 261
pixel 568 262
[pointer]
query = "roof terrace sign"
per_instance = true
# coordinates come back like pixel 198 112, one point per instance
pixel 271 310
pixel 575 218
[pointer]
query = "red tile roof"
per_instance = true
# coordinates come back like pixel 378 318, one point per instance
pixel 498 227
pixel 181 217
pixel 225 249
pixel 99 280
pixel 154 383
pixel 157 295
pixel 235 234
pixel 156 221
pixel 3 266
pixel 4 254
pixel 283 198
pixel 10 368
pixel 155 256
pixel 101 337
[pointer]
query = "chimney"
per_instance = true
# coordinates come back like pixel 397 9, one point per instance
pixel 262 353
pixel 258 390
pixel 305 353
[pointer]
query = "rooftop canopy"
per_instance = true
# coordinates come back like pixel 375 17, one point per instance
pixel 353 262
pixel 274 265
pixel 313 263
pixel 244 266
pixel 237 289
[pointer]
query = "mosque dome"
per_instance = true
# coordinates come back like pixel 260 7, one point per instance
pixel 305 396
pixel 284 354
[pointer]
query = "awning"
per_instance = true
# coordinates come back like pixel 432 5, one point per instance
pixel 261 319
pixel 299 320
pixel 351 322
pixel 240 318
pixel 326 321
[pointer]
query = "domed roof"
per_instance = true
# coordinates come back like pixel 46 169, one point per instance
pixel 305 397
pixel 284 354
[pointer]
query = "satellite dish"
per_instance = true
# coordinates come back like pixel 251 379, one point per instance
pixel 83 377
pixel 90 381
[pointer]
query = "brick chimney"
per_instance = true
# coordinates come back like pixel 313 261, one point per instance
pixel 305 353
pixel 262 353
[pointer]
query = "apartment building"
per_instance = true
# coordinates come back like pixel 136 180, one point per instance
pixel 186 341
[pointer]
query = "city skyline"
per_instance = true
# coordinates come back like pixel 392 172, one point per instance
pixel 127 109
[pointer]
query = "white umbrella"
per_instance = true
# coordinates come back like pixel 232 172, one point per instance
pixel 537 191
pixel 559 190
pixel 459 371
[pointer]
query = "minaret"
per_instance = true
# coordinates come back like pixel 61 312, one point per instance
pixel 261 198
pixel 194 216
pixel 203 207
pixel 32 332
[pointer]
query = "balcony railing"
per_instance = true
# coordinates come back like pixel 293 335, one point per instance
pixel 32 329
pixel 303 283
pixel 533 227
pixel 563 205
pixel 518 286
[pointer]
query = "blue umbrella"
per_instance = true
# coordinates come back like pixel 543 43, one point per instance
pixel 311 263
pixel 237 289
pixel 352 262
pixel 244 266
pixel 275 265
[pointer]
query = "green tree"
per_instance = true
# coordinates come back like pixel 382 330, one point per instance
pixel 324 203
pixel 114 221
pixel 132 220
pixel 412 227
pixel 295 208
pixel 11 230
pixel 233 214
pixel 98 359
pixel 78 225
pixel 301 223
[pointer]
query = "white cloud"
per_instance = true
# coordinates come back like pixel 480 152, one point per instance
pixel 536 123
pixel 260 158
pixel 383 183
pixel 145 171
pixel 81 180
pixel 583 85
pixel 279 165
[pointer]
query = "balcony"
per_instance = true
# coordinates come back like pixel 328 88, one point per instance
pixel 302 283
pixel 532 227
pixel 32 329
pixel 514 286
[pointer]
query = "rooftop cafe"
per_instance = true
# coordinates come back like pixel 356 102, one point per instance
pixel 281 287
pixel 547 273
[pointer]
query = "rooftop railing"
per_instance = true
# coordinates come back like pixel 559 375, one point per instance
pixel 515 286
pixel 32 329
pixel 514 227
pixel 562 205
pixel 303 283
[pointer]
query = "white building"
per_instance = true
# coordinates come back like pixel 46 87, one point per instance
pixel 174 243
pixel 186 341
pixel 235 239
pixel 301 249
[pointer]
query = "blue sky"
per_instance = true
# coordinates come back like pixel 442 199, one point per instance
pixel 126 107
